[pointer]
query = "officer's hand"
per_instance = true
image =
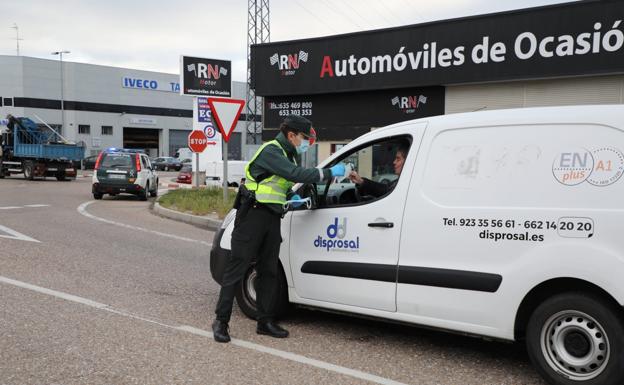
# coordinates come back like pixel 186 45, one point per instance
pixel 338 170
pixel 295 197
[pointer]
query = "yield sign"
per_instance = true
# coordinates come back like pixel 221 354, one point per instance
pixel 226 113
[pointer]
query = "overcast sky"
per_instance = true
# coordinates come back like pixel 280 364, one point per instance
pixel 151 35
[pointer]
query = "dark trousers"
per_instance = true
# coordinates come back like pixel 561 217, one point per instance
pixel 257 235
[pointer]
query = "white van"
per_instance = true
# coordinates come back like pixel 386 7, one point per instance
pixel 214 172
pixel 506 224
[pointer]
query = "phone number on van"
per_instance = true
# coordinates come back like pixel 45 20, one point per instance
pixel 499 229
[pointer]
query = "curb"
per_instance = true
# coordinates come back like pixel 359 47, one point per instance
pixel 205 222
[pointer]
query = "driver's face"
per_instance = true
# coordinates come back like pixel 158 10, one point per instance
pixel 399 160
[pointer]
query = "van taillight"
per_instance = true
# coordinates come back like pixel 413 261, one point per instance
pixel 99 159
pixel 138 162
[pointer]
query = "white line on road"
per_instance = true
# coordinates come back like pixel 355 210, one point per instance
pixel 16 235
pixel 21 207
pixel 189 329
pixel 82 209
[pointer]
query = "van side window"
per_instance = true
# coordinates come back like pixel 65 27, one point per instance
pixel 373 171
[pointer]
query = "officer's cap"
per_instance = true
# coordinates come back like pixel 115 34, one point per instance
pixel 300 124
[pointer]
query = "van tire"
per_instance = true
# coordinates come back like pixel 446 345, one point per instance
pixel 97 196
pixel 589 328
pixel 246 294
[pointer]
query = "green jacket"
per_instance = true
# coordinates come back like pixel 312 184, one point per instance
pixel 271 161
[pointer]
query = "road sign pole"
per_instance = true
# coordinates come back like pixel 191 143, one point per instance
pixel 225 171
pixel 197 169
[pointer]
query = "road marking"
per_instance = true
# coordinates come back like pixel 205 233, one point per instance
pixel 16 235
pixel 204 333
pixel 82 209
pixel 21 207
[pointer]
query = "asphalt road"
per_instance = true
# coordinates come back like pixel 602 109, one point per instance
pixel 105 292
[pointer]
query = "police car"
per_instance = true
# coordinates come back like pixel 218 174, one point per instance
pixel 124 171
pixel 505 224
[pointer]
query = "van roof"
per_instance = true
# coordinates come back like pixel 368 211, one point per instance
pixel 610 115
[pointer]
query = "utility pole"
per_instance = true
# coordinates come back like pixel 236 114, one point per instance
pixel 60 53
pixel 258 31
pixel 17 38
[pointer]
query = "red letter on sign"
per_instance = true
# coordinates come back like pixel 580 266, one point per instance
pixel 327 67
pixel 213 71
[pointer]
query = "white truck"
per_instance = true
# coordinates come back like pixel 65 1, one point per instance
pixel 505 224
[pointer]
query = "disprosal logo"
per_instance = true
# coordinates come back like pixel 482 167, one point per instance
pixel 288 64
pixel 408 104
pixel 336 234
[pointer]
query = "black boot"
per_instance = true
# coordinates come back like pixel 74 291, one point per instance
pixel 220 331
pixel 270 328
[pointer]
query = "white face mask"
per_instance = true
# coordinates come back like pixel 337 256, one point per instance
pixel 304 146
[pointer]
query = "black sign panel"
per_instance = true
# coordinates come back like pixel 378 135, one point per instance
pixel 348 115
pixel 205 77
pixel 580 38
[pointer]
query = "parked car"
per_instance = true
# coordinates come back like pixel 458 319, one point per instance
pixel 88 163
pixel 166 163
pixel 185 175
pixel 124 171
pixel 505 224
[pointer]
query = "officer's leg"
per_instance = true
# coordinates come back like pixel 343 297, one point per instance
pixel 247 238
pixel 267 269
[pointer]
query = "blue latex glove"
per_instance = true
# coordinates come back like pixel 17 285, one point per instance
pixel 338 170
pixel 295 197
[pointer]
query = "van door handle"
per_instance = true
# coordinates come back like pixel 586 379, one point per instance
pixel 386 225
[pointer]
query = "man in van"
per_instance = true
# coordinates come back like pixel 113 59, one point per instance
pixel 269 176
pixel 368 187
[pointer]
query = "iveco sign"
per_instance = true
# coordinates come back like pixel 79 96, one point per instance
pixel 149 84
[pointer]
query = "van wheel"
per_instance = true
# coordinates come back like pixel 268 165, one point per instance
pixel 577 338
pixel 246 293
pixel 28 170
pixel 154 193
pixel 97 196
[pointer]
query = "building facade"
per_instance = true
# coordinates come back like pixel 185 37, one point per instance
pixel 565 54
pixel 107 106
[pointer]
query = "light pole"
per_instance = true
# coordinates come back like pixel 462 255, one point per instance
pixel 60 53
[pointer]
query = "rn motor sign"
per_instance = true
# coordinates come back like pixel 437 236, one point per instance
pixel 205 77
pixel 577 38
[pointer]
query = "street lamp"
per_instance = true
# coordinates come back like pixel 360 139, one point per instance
pixel 60 53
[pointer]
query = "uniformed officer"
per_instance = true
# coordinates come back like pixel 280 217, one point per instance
pixel 269 176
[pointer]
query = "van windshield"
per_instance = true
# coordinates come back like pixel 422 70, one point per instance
pixel 117 161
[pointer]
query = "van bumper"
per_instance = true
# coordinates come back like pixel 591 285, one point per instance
pixel 218 258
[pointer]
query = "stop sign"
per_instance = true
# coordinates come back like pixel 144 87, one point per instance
pixel 197 141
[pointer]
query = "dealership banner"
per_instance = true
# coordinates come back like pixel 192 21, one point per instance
pixel 205 77
pixel 580 38
pixel 334 116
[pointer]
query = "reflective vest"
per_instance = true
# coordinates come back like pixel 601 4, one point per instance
pixel 272 189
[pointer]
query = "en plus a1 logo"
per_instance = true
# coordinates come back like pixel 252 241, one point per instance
pixel 336 234
pixel 288 64
pixel 408 104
